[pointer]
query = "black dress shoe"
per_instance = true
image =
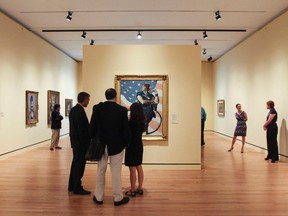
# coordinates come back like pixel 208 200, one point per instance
pixel 121 202
pixel 58 147
pixel 266 158
pixel 96 201
pixel 82 192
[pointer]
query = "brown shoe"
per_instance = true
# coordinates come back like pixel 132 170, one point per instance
pixel 51 149
pixel 58 147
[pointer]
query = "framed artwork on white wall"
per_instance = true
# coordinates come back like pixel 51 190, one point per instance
pixel 152 92
pixel 31 107
pixel 221 107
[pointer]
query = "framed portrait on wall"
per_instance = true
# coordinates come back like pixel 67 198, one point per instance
pixel 221 107
pixel 53 98
pixel 68 106
pixel 31 107
pixel 151 92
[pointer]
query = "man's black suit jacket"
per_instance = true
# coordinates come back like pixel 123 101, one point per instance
pixel 109 121
pixel 79 127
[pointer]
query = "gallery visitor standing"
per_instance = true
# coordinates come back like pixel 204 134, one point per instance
pixel 134 152
pixel 271 132
pixel 109 121
pixel 56 119
pixel 79 138
pixel 241 127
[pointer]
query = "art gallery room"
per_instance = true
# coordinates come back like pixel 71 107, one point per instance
pixel 228 56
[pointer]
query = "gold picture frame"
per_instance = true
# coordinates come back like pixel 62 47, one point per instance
pixel 129 87
pixel 53 97
pixel 221 107
pixel 68 106
pixel 31 107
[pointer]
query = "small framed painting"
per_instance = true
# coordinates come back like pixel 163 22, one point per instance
pixel 31 107
pixel 52 99
pixel 221 107
pixel 68 106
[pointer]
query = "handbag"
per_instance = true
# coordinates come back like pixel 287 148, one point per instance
pixel 95 150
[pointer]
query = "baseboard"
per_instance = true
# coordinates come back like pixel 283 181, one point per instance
pixel 28 146
pixel 252 144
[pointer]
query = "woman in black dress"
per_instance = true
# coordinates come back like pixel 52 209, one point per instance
pixel 241 127
pixel 134 152
pixel 271 133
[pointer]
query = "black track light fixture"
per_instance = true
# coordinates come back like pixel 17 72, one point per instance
pixel 92 42
pixel 205 36
pixel 69 16
pixel 210 58
pixel 204 52
pixel 218 16
pixel 195 42
pixel 139 36
pixel 83 35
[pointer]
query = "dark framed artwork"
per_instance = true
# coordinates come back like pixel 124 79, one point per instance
pixel 221 107
pixel 31 107
pixel 68 106
pixel 152 92
pixel 53 98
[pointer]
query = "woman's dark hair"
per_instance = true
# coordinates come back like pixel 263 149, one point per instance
pixel 270 104
pixel 137 113
pixel 237 105
pixel 82 96
pixel 56 106
pixel 110 94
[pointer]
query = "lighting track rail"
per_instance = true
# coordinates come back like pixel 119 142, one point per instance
pixel 143 30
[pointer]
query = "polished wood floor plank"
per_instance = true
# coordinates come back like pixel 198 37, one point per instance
pixel 34 182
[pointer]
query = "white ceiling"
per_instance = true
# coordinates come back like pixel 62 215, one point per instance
pixel 39 15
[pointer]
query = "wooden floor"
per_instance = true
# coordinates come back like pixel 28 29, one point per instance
pixel 34 182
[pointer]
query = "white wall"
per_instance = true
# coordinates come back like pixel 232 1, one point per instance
pixel 251 74
pixel 182 64
pixel 29 63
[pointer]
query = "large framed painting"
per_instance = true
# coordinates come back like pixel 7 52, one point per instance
pixel 31 107
pixel 53 98
pixel 68 106
pixel 152 92
pixel 221 107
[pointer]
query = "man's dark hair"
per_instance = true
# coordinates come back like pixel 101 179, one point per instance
pixel 56 106
pixel 110 94
pixel 270 104
pixel 82 96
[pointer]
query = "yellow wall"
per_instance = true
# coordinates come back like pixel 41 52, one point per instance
pixel 182 64
pixel 29 63
pixel 251 74
pixel 207 93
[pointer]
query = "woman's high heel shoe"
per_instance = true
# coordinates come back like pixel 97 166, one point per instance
pixel 230 149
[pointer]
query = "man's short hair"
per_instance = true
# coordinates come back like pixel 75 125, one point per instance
pixel 82 96
pixel 110 94
pixel 56 106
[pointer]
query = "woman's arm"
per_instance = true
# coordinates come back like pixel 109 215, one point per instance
pixel 270 118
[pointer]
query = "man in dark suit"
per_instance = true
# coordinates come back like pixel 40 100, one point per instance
pixel 79 137
pixel 109 121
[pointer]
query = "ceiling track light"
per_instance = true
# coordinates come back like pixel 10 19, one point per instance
pixel 69 16
pixel 205 36
pixel 195 42
pixel 83 35
pixel 92 42
pixel 210 58
pixel 204 52
pixel 218 16
pixel 139 36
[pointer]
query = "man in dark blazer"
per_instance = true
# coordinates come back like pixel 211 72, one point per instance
pixel 109 121
pixel 79 137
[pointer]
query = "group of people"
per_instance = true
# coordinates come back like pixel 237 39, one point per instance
pixel 270 126
pixel 109 122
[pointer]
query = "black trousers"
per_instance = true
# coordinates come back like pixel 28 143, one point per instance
pixel 202 131
pixel 272 144
pixel 77 168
